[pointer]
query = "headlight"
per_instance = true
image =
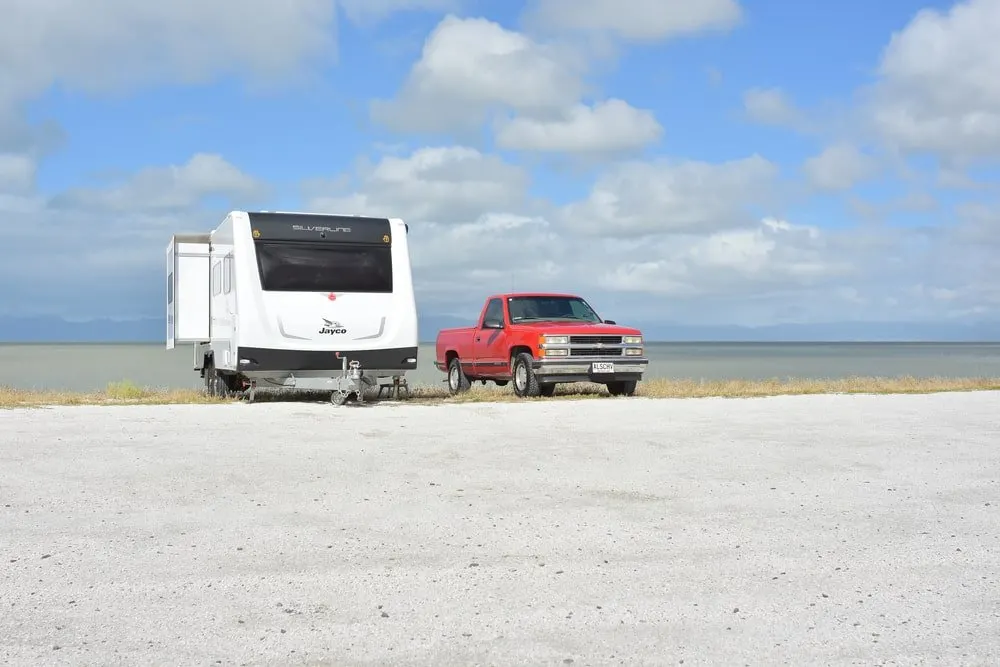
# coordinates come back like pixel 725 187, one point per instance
pixel 632 340
pixel 633 351
pixel 557 352
pixel 555 340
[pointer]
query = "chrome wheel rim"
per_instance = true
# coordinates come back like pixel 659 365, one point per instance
pixel 521 376
pixel 453 377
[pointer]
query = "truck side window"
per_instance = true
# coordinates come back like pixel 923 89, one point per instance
pixel 494 311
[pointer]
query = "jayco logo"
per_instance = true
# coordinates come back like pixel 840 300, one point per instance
pixel 332 328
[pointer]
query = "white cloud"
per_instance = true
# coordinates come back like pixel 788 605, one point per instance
pixel 17 172
pixel 490 253
pixel 126 44
pixel 638 20
pixel 773 253
pixel 99 252
pixel 663 234
pixel 470 68
pixel 938 90
pixel 607 127
pixel 642 198
pixel 771 106
pixel 474 70
pixel 839 167
pixel 441 184
pixel 171 188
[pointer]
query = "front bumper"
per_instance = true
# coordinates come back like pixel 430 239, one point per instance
pixel 576 369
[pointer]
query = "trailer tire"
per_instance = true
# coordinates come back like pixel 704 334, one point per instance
pixel 622 388
pixel 458 381
pixel 211 377
pixel 524 378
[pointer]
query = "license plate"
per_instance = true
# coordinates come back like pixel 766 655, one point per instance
pixel 603 367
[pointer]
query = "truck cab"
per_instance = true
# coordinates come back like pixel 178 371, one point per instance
pixel 539 340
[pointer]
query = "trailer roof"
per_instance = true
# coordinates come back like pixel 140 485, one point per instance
pixel 192 237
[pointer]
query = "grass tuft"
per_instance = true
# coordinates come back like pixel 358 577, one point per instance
pixel 127 392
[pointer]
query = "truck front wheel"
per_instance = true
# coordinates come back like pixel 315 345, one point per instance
pixel 525 381
pixel 458 381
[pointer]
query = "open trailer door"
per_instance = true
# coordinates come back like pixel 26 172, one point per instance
pixel 188 289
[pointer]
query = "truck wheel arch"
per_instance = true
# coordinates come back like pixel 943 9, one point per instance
pixel 516 350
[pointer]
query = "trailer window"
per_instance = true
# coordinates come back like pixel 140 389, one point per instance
pixel 324 267
pixel 216 279
pixel 227 274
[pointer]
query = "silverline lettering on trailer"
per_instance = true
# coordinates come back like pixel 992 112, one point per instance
pixel 303 228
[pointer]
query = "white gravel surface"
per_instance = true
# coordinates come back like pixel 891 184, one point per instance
pixel 794 530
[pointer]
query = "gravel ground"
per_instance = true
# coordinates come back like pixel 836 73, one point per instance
pixel 792 530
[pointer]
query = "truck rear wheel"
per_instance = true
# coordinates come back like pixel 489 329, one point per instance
pixel 525 381
pixel 622 388
pixel 458 381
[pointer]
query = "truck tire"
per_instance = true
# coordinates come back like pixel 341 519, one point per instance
pixel 622 388
pixel 525 381
pixel 548 389
pixel 458 381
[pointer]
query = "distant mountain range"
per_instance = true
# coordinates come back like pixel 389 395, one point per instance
pixel 58 330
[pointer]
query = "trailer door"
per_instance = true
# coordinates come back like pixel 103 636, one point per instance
pixel 188 289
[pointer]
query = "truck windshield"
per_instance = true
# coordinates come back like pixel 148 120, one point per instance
pixel 534 308
pixel 324 267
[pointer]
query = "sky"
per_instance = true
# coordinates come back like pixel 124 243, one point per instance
pixel 744 162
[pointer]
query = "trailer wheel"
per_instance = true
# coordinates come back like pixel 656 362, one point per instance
pixel 458 381
pixel 211 378
pixel 525 382
pixel 622 388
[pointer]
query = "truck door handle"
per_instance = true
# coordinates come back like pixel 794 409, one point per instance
pixel 477 339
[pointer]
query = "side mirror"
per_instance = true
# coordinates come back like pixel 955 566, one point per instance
pixel 492 324
pixel 610 322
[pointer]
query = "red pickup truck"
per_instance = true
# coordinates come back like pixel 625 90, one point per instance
pixel 539 340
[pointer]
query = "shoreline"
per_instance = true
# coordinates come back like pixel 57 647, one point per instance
pixel 128 393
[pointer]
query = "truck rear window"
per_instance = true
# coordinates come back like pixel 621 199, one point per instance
pixel 324 267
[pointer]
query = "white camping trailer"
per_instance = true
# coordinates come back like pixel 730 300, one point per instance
pixel 294 300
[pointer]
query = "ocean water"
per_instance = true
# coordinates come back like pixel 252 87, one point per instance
pixel 83 367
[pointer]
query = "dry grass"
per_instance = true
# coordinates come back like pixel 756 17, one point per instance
pixel 128 393
pixel 116 393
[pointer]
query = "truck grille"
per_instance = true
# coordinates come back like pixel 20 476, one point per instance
pixel 593 340
pixel 595 352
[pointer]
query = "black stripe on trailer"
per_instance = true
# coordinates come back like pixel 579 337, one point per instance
pixel 319 228
pixel 271 359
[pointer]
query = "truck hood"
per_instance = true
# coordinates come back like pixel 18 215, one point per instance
pixel 559 327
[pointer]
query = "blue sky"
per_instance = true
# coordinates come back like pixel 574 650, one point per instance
pixel 746 162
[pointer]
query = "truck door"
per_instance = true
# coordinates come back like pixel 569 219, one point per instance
pixel 490 336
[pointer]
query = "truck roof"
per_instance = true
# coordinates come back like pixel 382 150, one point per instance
pixel 506 295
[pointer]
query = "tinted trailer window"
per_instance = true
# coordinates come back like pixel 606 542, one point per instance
pixel 324 267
